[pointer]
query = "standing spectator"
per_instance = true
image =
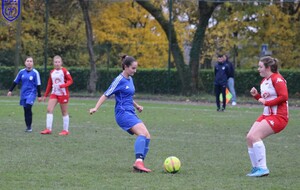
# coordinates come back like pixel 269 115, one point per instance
pixel 31 86
pixel 230 81
pixel 123 89
pixel 58 83
pixel 274 96
pixel 221 76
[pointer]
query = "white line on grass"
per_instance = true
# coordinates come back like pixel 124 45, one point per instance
pixel 179 108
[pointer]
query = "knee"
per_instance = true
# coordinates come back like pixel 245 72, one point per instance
pixel 65 113
pixel 250 138
pixel 146 134
pixel 28 111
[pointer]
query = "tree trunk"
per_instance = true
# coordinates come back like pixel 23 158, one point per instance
pixel 183 71
pixel 205 11
pixel 91 86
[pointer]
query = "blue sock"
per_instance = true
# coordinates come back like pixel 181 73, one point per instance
pixel 146 147
pixel 139 146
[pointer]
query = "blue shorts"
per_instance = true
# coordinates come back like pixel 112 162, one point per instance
pixel 28 100
pixel 127 119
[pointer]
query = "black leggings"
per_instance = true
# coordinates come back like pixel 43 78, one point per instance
pixel 28 115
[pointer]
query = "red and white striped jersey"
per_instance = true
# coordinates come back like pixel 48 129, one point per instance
pixel 59 81
pixel 274 91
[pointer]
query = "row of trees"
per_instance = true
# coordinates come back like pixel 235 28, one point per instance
pixel 94 33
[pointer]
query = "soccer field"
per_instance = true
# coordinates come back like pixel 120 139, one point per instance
pixel 99 155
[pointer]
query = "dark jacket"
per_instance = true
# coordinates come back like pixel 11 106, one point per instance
pixel 221 73
pixel 231 69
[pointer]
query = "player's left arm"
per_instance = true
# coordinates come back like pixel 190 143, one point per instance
pixel 69 80
pixel 281 90
pixel 138 107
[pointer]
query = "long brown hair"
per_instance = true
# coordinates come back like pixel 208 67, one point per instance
pixel 271 62
pixel 127 60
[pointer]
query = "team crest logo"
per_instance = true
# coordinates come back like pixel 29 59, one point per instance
pixel 11 9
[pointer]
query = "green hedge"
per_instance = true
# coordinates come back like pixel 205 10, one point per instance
pixel 246 79
pixel 156 81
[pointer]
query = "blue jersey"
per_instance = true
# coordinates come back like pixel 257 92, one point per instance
pixel 30 80
pixel 123 89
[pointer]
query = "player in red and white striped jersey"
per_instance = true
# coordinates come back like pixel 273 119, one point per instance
pixel 274 96
pixel 58 83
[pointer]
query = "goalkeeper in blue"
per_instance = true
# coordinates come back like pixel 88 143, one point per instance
pixel 123 89
pixel 31 87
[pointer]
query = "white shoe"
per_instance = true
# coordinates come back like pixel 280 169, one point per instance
pixel 233 103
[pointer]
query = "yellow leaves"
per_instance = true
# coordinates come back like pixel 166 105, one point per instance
pixel 130 29
pixel 219 38
pixel 127 25
pixel 7 34
pixel 254 26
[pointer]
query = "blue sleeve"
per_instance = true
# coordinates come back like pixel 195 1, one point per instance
pixel 38 78
pixel 114 87
pixel 18 77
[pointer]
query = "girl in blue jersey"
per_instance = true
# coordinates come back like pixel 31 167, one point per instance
pixel 31 83
pixel 123 89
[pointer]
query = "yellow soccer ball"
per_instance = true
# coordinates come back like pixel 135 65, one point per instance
pixel 172 164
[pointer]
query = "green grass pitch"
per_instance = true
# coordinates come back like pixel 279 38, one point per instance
pixel 99 155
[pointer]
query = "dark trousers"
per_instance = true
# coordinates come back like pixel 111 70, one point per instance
pixel 218 90
pixel 28 115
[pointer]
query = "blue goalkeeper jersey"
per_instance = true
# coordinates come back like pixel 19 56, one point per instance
pixel 30 80
pixel 123 89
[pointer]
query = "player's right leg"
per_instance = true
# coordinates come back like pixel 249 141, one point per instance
pixel 66 119
pixel 259 131
pixel 49 118
pixel 28 117
pixel 141 146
